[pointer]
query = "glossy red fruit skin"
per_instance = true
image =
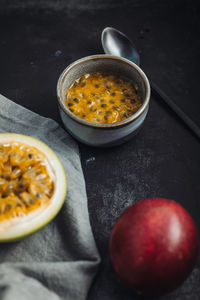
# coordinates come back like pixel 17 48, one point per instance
pixel 153 246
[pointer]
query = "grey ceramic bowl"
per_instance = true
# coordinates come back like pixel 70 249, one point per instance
pixel 103 135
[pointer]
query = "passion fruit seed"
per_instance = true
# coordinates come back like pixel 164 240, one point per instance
pixel 132 101
pixel 116 108
pixel 127 95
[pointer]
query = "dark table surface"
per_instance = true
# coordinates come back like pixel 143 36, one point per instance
pixel 38 39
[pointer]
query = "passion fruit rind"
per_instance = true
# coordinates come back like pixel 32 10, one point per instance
pixel 32 185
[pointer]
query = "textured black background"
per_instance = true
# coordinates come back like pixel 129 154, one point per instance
pixel 38 39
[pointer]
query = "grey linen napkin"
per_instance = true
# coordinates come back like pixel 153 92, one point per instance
pixel 61 260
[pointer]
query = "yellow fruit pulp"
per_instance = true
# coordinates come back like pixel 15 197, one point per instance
pixel 26 180
pixel 103 98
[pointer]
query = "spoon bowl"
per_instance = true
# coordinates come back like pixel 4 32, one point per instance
pixel 116 43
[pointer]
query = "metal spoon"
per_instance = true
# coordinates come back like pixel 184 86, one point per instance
pixel 116 43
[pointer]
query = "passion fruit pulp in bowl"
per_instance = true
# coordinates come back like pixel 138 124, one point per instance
pixel 32 185
pixel 101 97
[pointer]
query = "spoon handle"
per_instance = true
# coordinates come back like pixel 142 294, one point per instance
pixel 160 94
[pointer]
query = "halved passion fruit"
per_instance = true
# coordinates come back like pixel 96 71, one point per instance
pixel 32 185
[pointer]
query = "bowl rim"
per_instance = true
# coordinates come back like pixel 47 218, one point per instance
pixel 132 118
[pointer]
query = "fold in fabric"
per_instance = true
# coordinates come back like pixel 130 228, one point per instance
pixel 61 260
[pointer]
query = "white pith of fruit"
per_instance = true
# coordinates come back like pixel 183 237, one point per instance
pixel 19 227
